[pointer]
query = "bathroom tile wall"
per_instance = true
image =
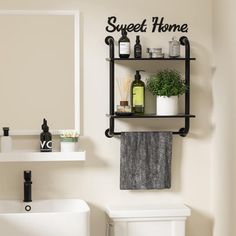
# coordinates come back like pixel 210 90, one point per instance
pixel 97 180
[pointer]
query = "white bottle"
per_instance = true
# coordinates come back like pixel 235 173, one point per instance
pixel 6 141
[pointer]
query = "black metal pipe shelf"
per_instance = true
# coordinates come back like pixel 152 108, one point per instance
pixel 181 132
pixel 110 132
pixel 144 116
pixel 151 59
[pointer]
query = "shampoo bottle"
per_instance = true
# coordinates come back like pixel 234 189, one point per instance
pixel 124 45
pixel 45 138
pixel 6 141
pixel 138 94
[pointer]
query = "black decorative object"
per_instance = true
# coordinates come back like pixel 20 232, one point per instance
pixel 45 138
pixel 110 132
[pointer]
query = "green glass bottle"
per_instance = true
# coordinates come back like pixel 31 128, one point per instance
pixel 138 94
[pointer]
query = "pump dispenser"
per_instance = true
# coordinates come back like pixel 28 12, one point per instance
pixel 45 138
pixel 124 45
pixel 6 141
pixel 138 94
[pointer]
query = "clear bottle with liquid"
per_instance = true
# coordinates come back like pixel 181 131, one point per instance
pixel 138 94
pixel 6 141
pixel 174 48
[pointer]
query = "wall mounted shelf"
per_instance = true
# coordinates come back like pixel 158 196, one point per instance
pixel 110 132
pixel 42 157
pixel 149 116
pixel 151 59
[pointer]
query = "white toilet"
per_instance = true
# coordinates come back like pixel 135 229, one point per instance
pixel 154 220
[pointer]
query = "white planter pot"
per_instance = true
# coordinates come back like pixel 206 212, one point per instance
pixel 166 105
pixel 68 146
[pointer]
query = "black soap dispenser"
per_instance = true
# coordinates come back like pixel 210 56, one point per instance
pixel 138 94
pixel 45 138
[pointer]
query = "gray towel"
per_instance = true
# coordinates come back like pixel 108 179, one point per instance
pixel 145 160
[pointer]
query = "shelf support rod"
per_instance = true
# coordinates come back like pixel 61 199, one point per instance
pixel 185 42
pixel 110 41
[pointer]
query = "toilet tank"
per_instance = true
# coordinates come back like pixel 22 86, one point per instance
pixel 156 220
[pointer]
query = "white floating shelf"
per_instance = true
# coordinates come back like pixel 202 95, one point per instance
pixel 42 156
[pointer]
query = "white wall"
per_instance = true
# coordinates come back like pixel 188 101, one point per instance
pixel 223 151
pixel 97 180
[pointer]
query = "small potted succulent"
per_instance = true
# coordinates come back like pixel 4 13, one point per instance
pixel 166 85
pixel 69 139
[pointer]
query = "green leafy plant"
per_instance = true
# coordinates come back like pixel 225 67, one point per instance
pixel 166 83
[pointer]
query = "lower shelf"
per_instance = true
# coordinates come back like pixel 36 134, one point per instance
pixel 42 157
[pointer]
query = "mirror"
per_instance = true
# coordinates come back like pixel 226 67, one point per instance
pixel 39 75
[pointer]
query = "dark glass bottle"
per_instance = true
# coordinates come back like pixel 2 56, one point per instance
pixel 138 94
pixel 45 138
pixel 124 45
pixel 137 48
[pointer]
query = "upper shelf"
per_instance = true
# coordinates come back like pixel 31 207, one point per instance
pixel 25 156
pixel 150 116
pixel 151 59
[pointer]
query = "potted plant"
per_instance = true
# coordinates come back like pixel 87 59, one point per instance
pixel 167 85
pixel 69 139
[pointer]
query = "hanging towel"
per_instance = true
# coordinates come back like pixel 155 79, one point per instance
pixel 145 161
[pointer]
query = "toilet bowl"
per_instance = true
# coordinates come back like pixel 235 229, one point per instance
pixel 162 220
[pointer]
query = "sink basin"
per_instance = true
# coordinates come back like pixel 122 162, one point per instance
pixel 68 217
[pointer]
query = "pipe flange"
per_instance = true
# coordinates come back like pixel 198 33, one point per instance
pixel 182 132
pixel 183 40
pixel 107 133
pixel 107 39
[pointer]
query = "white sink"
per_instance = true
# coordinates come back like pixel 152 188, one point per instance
pixel 69 217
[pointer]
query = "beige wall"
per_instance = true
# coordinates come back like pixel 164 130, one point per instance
pixel 194 169
pixel 223 150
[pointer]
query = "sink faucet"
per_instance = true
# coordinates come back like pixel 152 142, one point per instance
pixel 27 186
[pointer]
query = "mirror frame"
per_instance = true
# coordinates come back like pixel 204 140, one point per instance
pixel 77 109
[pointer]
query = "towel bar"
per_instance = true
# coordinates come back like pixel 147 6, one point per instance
pixel 108 134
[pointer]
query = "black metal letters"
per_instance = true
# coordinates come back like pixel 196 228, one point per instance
pixel 158 25
pixel 128 27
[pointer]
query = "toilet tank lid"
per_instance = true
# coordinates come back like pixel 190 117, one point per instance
pixel 151 211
